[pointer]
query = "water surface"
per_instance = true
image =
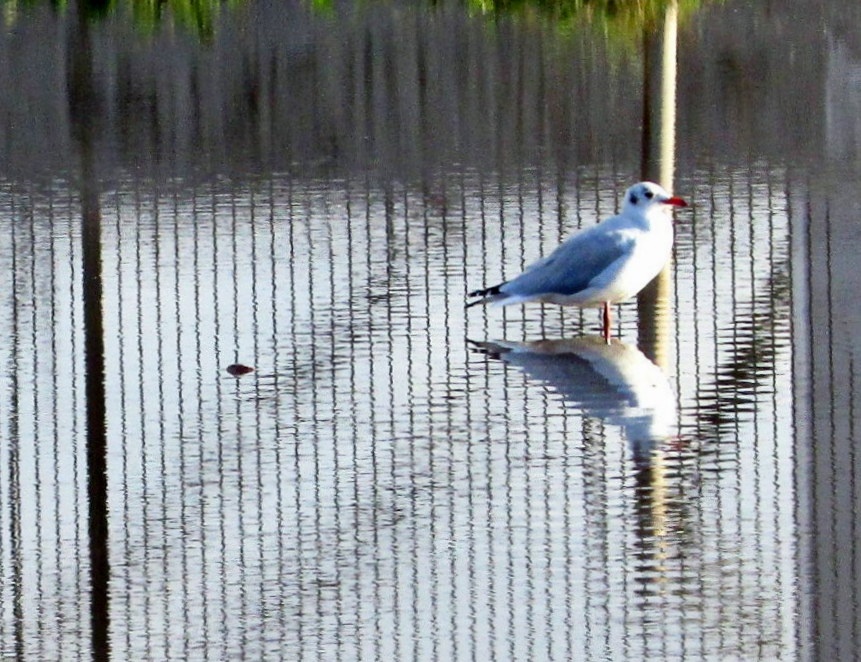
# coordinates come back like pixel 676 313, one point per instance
pixel 311 193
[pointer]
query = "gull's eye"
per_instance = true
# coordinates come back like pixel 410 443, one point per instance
pixel 633 199
pixel 650 195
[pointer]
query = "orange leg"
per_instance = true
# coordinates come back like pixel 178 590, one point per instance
pixel 607 322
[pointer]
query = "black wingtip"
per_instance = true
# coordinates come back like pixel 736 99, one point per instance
pixel 482 348
pixel 486 348
pixel 484 294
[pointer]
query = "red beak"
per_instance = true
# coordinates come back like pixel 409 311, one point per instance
pixel 676 202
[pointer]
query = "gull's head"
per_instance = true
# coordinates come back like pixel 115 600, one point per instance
pixel 643 197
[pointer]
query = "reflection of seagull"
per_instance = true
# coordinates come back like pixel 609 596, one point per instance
pixel 606 263
pixel 614 382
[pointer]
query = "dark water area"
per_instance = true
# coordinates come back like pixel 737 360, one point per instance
pixel 309 190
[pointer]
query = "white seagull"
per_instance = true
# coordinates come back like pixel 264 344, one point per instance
pixel 603 264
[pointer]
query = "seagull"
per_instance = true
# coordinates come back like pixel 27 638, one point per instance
pixel 603 264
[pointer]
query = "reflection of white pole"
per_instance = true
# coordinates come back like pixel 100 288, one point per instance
pixel 666 167
pixel 661 287
pixel 668 96
pixel 654 301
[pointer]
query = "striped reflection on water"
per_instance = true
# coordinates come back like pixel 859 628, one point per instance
pixel 614 382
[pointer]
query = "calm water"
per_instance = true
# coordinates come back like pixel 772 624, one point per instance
pixel 310 192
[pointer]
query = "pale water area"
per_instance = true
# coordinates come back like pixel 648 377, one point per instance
pixel 309 190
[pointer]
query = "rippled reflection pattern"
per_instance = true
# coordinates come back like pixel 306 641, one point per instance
pixel 376 487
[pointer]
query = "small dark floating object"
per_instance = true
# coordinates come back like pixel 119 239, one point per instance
pixel 237 369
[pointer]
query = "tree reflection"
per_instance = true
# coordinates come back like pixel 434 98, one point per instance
pixel 83 112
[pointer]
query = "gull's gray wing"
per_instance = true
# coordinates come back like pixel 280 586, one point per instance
pixel 573 265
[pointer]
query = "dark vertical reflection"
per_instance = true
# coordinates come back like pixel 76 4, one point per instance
pixel 14 469
pixel 83 109
pixel 647 154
